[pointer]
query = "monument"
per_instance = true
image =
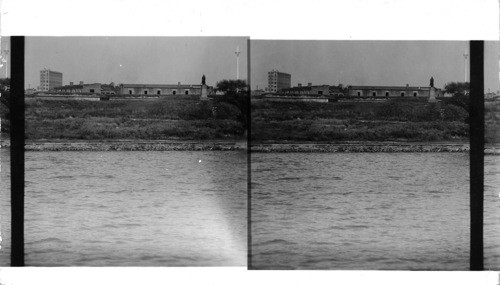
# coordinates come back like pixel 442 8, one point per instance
pixel 204 88
pixel 432 91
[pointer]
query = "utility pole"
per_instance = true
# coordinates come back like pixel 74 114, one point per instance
pixel 465 66
pixel 237 62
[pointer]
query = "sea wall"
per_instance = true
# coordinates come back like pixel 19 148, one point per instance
pixel 389 148
pixel 242 146
pixel 132 146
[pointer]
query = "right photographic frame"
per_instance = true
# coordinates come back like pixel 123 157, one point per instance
pixel 360 155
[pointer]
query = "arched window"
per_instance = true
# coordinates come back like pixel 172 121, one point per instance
pixel 145 92
pixel 386 94
pixel 158 92
pixel 173 92
pixel 415 94
pixel 402 94
pixel 359 94
pixel 186 92
pixel 374 94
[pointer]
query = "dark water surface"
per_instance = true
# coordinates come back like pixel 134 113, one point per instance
pixel 367 211
pixel 132 209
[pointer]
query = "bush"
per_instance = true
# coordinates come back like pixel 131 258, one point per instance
pixel 454 113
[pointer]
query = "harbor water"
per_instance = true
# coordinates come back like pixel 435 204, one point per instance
pixel 368 211
pixel 131 209
pixel 309 210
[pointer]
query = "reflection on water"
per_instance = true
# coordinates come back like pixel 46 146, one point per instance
pixel 135 209
pixel 361 211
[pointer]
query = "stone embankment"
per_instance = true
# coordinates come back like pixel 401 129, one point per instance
pixel 386 147
pixel 132 146
pixel 369 147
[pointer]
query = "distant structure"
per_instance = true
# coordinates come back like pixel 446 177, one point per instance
pixel 50 79
pixel 309 90
pixel 163 89
pixel 278 80
pixel 93 88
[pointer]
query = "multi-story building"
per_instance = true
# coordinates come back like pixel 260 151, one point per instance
pixel 50 79
pixel 278 80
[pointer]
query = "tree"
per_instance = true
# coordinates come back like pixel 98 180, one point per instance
pixel 231 86
pixel 5 90
pixel 460 94
pixel 461 88
pixel 235 94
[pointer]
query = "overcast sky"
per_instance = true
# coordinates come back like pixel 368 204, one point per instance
pixel 170 60
pixel 166 60
pixel 394 63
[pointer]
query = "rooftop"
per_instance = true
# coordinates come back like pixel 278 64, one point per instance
pixel 388 87
pixel 161 85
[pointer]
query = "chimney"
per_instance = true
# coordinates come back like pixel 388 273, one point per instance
pixel 299 85
pixel 70 83
pixel 309 84
pixel 81 82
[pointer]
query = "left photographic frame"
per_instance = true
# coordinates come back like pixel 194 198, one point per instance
pixel 135 152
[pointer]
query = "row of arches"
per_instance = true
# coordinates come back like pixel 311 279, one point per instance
pixel 158 92
pixel 387 94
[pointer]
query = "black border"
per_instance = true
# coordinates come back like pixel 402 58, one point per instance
pixel 476 125
pixel 17 150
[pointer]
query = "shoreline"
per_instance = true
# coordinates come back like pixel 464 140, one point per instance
pixel 125 145
pixel 260 147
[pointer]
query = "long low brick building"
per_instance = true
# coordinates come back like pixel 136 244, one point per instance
pixel 393 91
pixel 162 89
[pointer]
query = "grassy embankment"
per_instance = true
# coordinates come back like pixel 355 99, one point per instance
pixel 172 118
pixel 492 122
pixel 394 120
pixel 191 119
